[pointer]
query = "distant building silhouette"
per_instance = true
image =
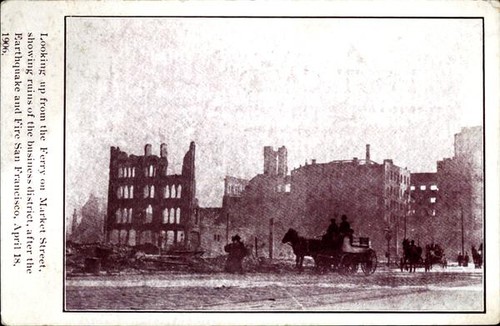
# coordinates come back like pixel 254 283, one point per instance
pixel 91 225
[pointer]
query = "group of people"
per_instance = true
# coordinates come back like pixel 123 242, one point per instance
pixel 335 234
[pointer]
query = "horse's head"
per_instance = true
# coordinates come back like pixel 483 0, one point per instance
pixel 290 236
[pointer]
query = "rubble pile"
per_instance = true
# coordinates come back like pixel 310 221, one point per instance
pixel 98 258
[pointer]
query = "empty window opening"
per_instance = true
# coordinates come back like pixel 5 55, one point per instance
pixel 123 237
pixel 423 187
pixel 165 216
pixel 124 215
pixel 114 236
pixel 163 238
pixel 118 215
pixel 172 192
pixel 412 188
pixel 432 199
pixel 130 212
pixel 152 191
pixel 170 237
pixel 434 187
pixel 131 192
pixel 171 216
pixel 178 216
pixel 180 236
pixel 146 191
pixel 149 214
pixel 146 237
pixel 151 171
pixel 179 189
pixel 131 238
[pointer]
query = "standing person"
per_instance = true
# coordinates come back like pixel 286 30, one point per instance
pixel 331 232
pixel 466 259
pixel 237 251
pixel 345 227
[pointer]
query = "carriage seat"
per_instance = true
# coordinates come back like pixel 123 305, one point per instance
pixel 348 247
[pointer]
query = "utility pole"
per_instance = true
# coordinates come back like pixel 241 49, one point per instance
pixel 271 227
pixel 227 228
pixel 462 219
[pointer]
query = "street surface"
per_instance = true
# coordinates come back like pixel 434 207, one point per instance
pixel 451 289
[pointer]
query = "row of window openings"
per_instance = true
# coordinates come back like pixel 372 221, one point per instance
pixel 170 216
pixel 395 191
pixel 129 172
pixel 412 212
pixel 149 191
pixel 283 188
pixel 166 237
pixel 235 189
pixel 395 205
pixel 424 187
pixel 398 178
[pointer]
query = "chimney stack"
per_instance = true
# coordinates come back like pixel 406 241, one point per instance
pixel 147 150
pixel 367 153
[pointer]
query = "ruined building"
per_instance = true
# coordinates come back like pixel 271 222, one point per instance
pixel 374 197
pixel 422 218
pixel 461 202
pixel 90 227
pixel 148 205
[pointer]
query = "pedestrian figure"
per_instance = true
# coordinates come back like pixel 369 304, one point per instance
pixel 460 259
pixel 344 227
pixel 466 259
pixel 237 251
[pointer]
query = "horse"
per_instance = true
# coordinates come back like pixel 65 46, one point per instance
pixel 412 256
pixel 301 246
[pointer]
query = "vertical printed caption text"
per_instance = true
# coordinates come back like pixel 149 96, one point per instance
pixel 25 56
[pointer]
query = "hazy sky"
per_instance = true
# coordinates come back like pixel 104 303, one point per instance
pixel 322 87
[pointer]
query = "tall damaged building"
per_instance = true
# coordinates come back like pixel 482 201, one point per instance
pixel 148 205
pixel 374 197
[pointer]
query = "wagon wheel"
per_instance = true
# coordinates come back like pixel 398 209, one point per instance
pixel 369 265
pixel 348 265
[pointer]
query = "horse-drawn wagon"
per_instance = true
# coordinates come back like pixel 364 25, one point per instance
pixel 345 255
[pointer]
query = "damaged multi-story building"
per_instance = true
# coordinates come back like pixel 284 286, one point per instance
pixel 374 197
pixel 148 205
pixel 461 201
pixel 421 220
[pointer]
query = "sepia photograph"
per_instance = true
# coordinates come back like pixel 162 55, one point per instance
pixel 274 163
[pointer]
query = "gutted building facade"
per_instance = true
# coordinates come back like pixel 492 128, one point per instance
pixel 461 202
pixel 374 197
pixel 148 205
pixel 423 217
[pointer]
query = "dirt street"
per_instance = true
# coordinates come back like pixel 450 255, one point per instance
pixel 453 289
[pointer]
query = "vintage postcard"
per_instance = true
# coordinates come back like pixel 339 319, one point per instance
pixel 249 163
